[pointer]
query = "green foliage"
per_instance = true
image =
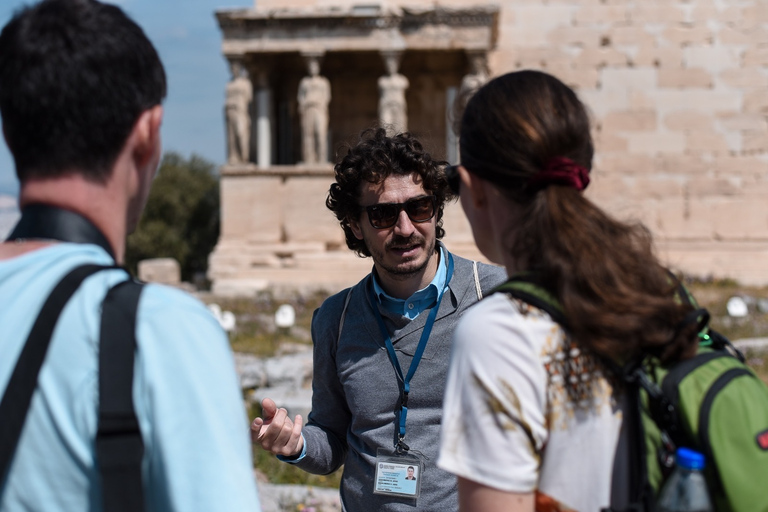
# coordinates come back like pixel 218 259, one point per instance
pixel 181 219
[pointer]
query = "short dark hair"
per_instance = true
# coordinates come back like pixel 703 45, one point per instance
pixel 75 75
pixel 375 157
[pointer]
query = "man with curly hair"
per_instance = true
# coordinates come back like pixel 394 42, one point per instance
pixel 372 411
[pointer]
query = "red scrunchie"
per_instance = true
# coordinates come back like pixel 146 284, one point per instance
pixel 560 171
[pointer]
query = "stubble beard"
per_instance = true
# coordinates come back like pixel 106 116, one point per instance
pixel 404 271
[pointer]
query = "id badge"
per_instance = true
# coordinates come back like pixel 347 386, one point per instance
pixel 398 474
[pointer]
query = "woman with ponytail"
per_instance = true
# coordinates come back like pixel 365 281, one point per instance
pixel 532 416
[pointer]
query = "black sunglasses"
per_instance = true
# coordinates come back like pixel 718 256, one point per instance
pixel 419 209
pixel 453 178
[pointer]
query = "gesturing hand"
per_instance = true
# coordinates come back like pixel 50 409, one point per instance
pixel 275 432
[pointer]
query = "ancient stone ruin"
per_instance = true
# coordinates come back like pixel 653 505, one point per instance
pixel 678 90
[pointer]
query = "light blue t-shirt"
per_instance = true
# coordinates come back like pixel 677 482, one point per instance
pixel 186 394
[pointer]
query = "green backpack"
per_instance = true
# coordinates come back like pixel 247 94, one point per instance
pixel 712 403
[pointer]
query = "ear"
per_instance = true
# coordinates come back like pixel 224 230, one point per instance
pixel 475 186
pixel 354 225
pixel 146 136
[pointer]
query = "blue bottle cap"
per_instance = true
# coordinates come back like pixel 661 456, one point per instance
pixel 689 459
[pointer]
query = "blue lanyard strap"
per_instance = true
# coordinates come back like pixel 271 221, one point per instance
pixel 406 381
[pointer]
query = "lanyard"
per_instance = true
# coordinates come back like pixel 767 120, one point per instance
pixel 51 222
pixel 406 381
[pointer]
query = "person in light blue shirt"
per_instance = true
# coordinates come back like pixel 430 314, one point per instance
pixel 80 102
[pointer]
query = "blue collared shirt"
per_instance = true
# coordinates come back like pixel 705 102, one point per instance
pixel 420 300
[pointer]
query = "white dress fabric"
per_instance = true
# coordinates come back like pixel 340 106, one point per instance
pixel 509 422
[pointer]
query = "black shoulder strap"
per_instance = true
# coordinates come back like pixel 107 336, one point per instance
pixel 119 446
pixel 21 386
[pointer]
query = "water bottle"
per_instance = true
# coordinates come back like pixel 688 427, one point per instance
pixel 686 490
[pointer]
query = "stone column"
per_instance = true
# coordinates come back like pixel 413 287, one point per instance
pixel 313 97
pixel 263 123
pixel 451 126
pixel 239 93
pixel 393 111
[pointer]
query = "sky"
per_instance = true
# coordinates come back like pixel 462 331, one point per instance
pixel 187 36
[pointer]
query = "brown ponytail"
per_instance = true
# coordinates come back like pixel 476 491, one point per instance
pixel 618 299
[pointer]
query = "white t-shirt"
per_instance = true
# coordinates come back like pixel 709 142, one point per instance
pixel 508 420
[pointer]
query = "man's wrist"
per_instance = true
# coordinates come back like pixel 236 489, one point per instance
pixel 293 459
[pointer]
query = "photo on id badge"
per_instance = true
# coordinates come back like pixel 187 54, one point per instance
pixel 398 476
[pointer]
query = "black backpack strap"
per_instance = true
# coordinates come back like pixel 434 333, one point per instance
pixel 21 386
pixel 119 446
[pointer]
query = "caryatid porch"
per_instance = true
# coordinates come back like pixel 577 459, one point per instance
pixel 319 77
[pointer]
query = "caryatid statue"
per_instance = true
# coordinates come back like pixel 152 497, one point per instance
pixel 239 96
pixel 393 113
pixel 314 96
pixel 478 76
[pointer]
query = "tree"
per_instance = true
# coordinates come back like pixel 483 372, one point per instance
pixel 181 219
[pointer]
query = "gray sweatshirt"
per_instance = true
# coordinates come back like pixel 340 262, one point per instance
pixel 356 391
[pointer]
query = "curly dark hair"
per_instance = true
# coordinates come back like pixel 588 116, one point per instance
pixel 375 157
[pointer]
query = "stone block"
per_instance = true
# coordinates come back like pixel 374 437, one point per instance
pixel 548 16
pixel 684 164
pixel 160 270
pixel 740 218
pixel 598 57
pixel 579 79
pixel 706 141
pixel 755 57
pixel 601 102
pixel 706 12
pixel 680 218
pixel 520 35
pixel 657 187
pixel 743 122
pixel 639 100
pixel 745 78
pixel 757 12
pixel 754 141
pixel 627 164
pixel 608 142
pixel 684 78
pixel 630 121
pixel 715 57
pixel 630 35
pixel 659 57
pixel 656 143
pixel 566 35
pixel 688 35
pixel 601 14
pixel 608 191
pixel 714 187
pixel 694 99
pixel 756 101
pixel 251 208
pixel 687 120
pixel 755 167
pixel 502 61
pixel 540 57
pixel 628 79
pixel 648 12
pixel 306 217
pixel 728 35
